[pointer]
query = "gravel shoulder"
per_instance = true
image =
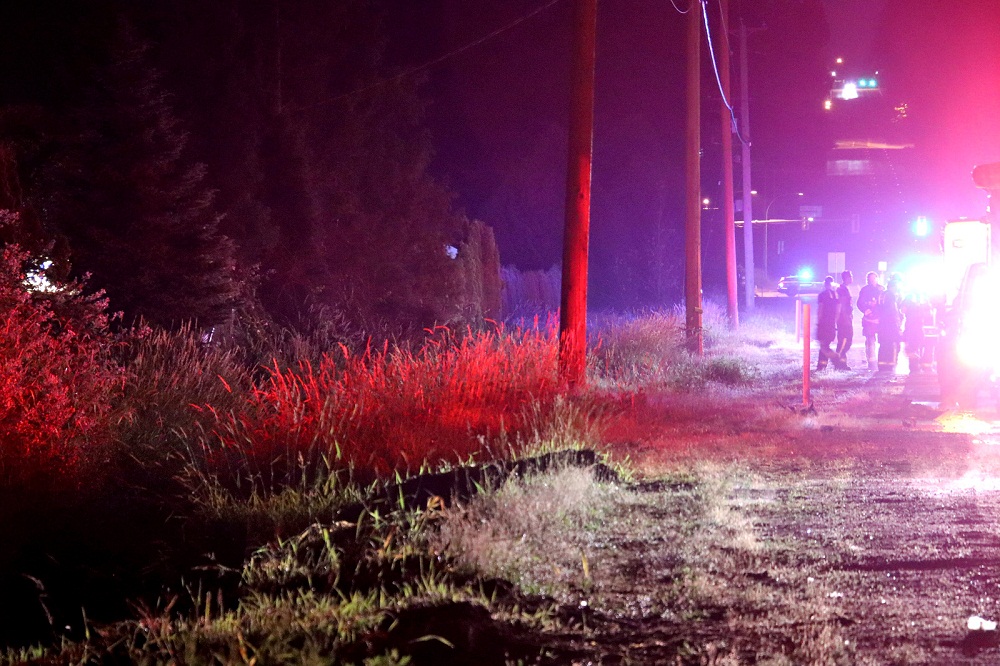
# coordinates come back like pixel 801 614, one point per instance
pixel 865 530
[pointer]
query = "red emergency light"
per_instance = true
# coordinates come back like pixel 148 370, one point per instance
pixel 987 176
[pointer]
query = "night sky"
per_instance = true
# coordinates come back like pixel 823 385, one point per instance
pixel 498 115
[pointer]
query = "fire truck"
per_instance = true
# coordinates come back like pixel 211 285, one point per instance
pixel 968 348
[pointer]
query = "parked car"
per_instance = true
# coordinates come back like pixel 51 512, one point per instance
pixel 792 285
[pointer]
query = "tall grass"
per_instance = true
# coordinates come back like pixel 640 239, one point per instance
pixel 387 410
pixel 649 351
pixel 167 375
pixel 201 449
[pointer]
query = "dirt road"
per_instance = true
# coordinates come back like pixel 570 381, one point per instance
pixel 864 532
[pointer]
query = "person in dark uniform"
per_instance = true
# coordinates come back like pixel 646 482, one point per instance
pixel 826 323
pixel 890 326
pixel 845 320
pixel 868 304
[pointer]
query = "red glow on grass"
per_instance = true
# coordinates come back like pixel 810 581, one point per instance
pixel 396 409
pixel 55 388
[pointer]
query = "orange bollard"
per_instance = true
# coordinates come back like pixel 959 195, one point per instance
pixel 806 339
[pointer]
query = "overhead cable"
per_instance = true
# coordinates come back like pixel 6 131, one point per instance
pixel 435 61
pixel 715 67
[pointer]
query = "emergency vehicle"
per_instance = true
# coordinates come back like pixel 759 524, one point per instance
pixel 968 350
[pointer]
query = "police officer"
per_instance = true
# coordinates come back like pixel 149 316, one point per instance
pixel 890 326
pixel 845 320
pixel 826 323
pixel 868 304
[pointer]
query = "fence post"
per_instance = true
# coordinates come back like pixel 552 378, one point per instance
pixel 806 338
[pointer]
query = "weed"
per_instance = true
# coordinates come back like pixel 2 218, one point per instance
pixel 528 531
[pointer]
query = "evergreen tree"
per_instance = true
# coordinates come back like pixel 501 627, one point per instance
pixel 339 209
pixel 137 216
pixel 479 260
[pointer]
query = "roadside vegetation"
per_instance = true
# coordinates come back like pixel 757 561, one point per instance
pixel 166 499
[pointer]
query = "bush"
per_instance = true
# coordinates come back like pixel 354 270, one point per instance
pixel 57 393
pixel 58 380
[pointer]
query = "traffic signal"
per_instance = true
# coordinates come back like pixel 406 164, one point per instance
pixel 921 226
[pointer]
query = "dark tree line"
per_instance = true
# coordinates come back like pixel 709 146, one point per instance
pixel 198 159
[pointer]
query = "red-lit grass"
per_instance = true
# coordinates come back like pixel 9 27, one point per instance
pixel 393 409
pixel 56 382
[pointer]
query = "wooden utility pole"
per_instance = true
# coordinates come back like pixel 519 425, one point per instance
pixel 576 239
pixel 728 214
pixel 692 163
pixel 748 267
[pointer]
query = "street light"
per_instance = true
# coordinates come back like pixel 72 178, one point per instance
pixel 767 217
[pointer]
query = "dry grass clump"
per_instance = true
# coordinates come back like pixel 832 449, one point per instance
pixel 764 342
pixel 631 351
pixel 167 375
pixel 533 532
pixel 648 351
pixel 569 423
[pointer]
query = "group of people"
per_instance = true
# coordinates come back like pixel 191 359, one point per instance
pixel 887 321
pixel 835 322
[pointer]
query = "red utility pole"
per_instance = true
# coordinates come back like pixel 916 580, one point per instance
pixel 806 337
pixel 692 163
pixel 728 212
pixel 573 312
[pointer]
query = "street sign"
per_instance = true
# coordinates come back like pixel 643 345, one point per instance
pixel 811 213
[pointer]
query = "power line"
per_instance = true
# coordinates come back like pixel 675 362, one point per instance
pixel 682 11
pixel 715 68
pixel 725 28
pixel 435 61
